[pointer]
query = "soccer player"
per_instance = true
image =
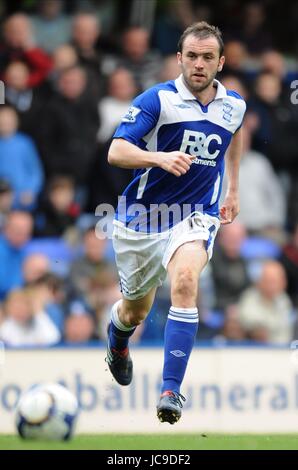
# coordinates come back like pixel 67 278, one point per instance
pixel 175 135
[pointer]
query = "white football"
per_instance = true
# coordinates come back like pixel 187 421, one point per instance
pixel 47 411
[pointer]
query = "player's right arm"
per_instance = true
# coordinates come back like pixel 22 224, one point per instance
pixel 126 150
pixel 124 154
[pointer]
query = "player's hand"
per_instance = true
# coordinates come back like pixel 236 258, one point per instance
pixel 177 163
pixel 230 208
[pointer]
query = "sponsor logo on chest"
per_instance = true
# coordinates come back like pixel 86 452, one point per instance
pixel 199 145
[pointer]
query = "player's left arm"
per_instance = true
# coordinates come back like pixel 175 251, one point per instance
pixel 230 208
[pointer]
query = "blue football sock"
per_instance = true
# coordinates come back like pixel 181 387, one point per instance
pixel 180 332
pixel 118 334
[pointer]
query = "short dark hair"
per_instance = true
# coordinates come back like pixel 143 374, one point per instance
pixel 8 107
pixel 48 279
pixel 61 182
pixel 202 30
pixel 5 186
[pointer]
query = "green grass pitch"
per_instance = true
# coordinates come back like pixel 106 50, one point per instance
pixel 159 442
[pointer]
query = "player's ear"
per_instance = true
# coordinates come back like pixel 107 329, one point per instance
pixel 179 55
pixel 221 63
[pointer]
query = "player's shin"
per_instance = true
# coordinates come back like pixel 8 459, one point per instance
pixel 118 333
pixel 180 333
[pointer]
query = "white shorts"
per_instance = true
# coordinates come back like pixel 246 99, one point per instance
pixel 142 258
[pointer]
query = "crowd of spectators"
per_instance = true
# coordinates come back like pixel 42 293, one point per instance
pixel 69 76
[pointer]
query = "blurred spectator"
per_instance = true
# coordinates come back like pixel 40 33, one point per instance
pixel 34 267
pixel 104 10
pixel 228 267
pixel 232 329
pixel 103 292
pixel 68 130
pixel 172 19
pixel 23 326
pixel 265 309
pixel 105 182
pixel 6 201
pixel 232 82
pixel 289 260
pixel 144 64
pixel 19 161
pixel 254 32
pixel 64 57
pixel 86 31
pixel 235 63
pixel 51 26
pixel 170 69
pixel 235 54
pixel 91 262
pixel 17 91
pixel 79 323
pixel 58 211
pixel 273 62
pixel 47 295
pixel 275 136
pixel 59 250
pixel 278 121
pixel 263 207
pixel 26 100
pixel 19 46
pixel 16 235
pixel 121 91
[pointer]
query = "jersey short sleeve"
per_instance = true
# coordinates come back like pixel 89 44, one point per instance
pixel 241 113
pixel 141 117
pixel 239 108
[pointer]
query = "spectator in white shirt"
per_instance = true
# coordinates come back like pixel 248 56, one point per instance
pixel 262 200
pixel 265 310
pixel 22 327
pixel 121 90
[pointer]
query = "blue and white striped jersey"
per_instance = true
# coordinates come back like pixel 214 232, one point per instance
pixel 167 117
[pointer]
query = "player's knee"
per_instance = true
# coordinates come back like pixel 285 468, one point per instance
pixel 133 317
pixel 184 284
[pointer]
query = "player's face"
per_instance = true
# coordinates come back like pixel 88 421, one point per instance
pixel 200 62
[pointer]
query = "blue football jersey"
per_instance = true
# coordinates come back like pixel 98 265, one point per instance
pixel 167 117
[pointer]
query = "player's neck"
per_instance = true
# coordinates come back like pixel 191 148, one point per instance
pixel 204 96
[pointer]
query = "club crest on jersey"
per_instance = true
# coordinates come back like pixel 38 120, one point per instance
pixel 227 111
pixel 131 114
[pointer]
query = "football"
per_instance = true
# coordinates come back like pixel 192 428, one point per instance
pixel 47 411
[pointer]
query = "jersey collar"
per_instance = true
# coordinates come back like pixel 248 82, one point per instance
pixel 186 94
